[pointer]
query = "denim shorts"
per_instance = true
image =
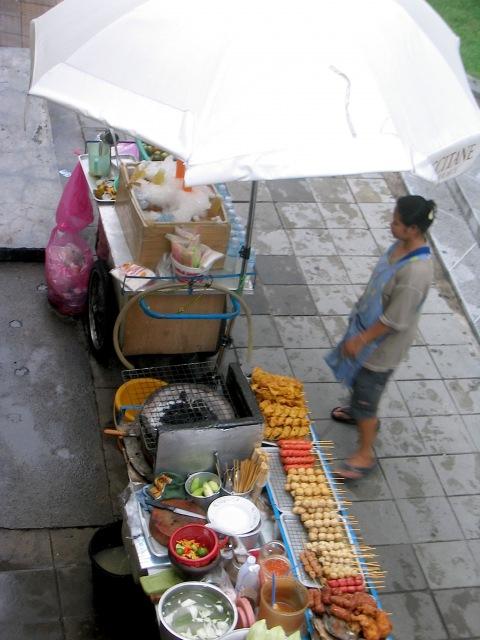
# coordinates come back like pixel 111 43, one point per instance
pixel 366 392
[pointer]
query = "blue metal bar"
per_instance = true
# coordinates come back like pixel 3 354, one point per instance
pixel 191 316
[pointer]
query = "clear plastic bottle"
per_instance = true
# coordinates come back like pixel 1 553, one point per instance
pixel 244 572
pixel 250 588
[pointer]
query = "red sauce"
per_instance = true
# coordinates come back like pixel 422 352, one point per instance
pixel 277 566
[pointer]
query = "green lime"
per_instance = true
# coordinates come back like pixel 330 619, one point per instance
pixel 179 549
pixel 202 552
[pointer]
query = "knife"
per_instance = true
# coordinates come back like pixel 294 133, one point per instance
pixel 179 512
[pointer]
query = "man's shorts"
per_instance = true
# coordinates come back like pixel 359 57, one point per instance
pixel 367 390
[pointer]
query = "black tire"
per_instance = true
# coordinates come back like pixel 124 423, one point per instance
pixel 101 313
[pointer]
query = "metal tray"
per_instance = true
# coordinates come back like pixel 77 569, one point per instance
pixel 155 548
pixel 92 182
pixel 295 537
pixel 276 481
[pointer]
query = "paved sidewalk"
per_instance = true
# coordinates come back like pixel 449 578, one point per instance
pixel 318 240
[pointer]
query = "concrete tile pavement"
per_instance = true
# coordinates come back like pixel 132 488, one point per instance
pixel 421 508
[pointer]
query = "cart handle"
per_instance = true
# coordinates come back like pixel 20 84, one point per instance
pixel 190 316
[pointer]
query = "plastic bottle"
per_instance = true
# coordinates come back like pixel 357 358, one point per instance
pixel 243 572
pixel 250 587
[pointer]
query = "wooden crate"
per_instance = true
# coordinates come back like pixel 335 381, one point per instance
pixel 144 335
pixel 146 240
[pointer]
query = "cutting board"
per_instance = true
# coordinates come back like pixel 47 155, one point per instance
pixel 163 523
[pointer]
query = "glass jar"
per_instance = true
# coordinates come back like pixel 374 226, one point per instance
pixel 278 565
pixel 272 548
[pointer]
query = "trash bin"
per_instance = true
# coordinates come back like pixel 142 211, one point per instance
pixel 122 609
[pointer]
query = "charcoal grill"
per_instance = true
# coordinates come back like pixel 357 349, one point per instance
pixel 196 413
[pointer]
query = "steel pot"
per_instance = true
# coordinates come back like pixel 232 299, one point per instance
pixel 166 631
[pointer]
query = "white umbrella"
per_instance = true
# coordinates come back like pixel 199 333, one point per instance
pixel 272 89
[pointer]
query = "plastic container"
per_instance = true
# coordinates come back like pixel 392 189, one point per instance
pixel 184 273
pixel 200 533
pixel 250 585
pixel 243 572
pixel 272 548
pixel 291 599
pixel 278 565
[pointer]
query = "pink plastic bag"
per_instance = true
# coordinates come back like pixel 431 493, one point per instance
pixel 68 261
pixel 68 258
pixel 74 211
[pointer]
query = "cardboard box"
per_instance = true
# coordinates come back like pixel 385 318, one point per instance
pixel 146 240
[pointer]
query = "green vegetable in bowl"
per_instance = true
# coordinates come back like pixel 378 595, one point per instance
pixel 196 484
pixel 207 491
pixel 202 552
pixel 179 549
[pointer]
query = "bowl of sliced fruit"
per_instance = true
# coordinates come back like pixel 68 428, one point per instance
pixel 203 488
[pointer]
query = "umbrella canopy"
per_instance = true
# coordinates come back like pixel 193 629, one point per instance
pixel 264 90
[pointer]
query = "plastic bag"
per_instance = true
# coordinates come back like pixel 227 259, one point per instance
pixel 68 258
pixel 74 211
pixel 68 261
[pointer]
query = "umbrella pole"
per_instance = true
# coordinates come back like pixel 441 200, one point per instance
pixel 245 255
pixel 246 249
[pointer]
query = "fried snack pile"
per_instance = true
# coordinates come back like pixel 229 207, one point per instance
pixel 282 402
pixel 360 611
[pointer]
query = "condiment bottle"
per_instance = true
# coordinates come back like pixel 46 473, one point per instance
pixel 250 586
pixel 243 572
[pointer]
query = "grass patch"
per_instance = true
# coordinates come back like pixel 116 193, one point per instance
pixel 463 17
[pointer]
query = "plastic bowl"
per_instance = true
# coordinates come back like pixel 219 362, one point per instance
pixel 135 392
pixel 201 500
pixel 194 573
pixel 200 533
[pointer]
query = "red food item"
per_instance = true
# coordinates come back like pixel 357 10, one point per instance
pixel 300 444
pixel 350 581
pixel 351 588
pixel 358 580
pixel 342 582
pixel 302 461
pixel 333 583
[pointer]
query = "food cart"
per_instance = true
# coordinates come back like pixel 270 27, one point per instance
pixel 161 324
pixel 327 564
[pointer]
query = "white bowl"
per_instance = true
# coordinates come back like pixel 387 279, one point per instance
pixel 233 515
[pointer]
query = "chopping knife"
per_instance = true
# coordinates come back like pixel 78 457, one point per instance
pixel 179 512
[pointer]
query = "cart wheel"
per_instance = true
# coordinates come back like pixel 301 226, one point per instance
pixel 102 311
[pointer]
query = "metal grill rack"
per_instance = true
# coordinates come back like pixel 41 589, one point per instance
pixel 295 537
pixel 194 394
pixel 276 480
